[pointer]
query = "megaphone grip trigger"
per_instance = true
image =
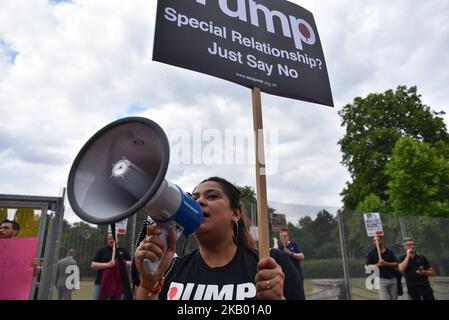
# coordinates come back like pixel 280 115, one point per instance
pixel 151 266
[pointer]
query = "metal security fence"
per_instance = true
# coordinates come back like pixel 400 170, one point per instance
pixel 86 239
pixel 39 217
pixel 316 230
pixel 334 242
pixel 429 233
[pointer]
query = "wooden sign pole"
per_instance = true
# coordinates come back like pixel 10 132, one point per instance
pixel 378 248
pixel 261 183
pixel 113 252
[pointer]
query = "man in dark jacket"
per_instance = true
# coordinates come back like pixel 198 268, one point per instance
pixel 387 264
pixel 417 270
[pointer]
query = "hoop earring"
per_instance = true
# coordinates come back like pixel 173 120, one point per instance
pixel 235 233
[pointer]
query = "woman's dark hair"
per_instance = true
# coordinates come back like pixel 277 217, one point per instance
pixel 243 237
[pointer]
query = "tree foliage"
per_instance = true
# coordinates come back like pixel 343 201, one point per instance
pixel 3 213
pixel 372 203
pixel 373 126
pixel 318 237
pixel 418 179
pixel 28 221
pixel 432 239
pixel 248 199
pixel 86 240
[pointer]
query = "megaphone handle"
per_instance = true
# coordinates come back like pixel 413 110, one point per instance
pixel 150 266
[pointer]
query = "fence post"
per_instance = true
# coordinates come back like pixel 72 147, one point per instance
pixel 403 229
pixel 52 242
pixel 132 226
pixel 40 247
pixel 344 255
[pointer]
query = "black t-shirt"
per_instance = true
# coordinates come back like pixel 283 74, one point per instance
pixel 387 256
pixel 295 248
pixel 105 255
pixel 193 279
pixel 411 277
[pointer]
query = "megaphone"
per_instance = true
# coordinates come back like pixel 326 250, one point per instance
pixel 121 170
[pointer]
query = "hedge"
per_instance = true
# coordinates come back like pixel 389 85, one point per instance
pixel 332 268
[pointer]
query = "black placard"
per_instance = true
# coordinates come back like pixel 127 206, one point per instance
pixel 270 44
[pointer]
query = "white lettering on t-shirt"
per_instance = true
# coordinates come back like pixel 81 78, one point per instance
pixel 212 292
pixel 179 291
pixel 245 290
pixel 188 291
pixel 199 292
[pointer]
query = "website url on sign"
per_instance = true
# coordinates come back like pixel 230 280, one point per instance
pixel 259 81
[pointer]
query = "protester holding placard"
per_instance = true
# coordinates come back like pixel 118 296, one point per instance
pixel 10 229
pixel 16 277
pixel 387 264
pixel 105 259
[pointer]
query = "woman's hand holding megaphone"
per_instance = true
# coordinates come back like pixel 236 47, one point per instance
pixel 153 248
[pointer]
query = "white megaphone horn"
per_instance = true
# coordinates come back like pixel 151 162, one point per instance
pixel 121 170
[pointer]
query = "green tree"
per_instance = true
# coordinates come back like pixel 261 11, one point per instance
pixel 319 237
pixel 249 201
pixel 373 126
pixel 28 221
pixel 3 213
pixel 247 194
pixel 372 203
pixel 295 233
pixel 86 240
pixel 418 179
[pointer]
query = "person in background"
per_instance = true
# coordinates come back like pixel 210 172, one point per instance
pixel 387 264
pixel 103 261
pixel 295 252
pixel 417 270
pixel 62 273
pixel 9 229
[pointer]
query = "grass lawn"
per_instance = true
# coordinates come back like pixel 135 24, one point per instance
pixel 359 291
pixel 85 291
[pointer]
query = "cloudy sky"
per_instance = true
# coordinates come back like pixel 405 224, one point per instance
pixel 68 68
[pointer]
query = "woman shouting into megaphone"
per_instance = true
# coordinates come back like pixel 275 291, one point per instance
pixel 225 267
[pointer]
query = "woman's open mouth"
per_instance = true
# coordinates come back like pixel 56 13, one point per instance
pixel 206 215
